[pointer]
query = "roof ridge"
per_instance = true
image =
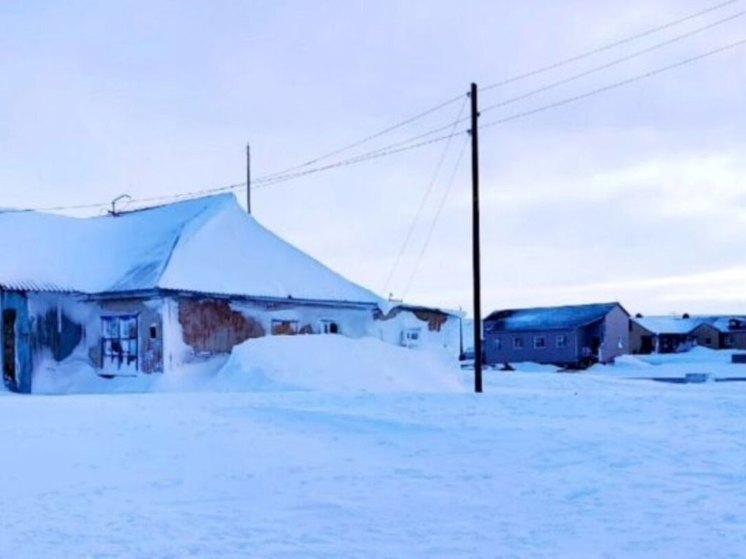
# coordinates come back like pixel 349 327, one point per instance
pixel 213 211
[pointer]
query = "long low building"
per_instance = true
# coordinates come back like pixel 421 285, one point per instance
pixel 574 335
pixel 151 290
pixel 671 334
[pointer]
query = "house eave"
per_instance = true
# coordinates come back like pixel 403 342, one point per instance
pixel 145 293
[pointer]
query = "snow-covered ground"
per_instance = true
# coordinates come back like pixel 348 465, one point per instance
pixel 540 465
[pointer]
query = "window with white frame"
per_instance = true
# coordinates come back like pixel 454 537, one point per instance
pixel 119 341
pixel 561 341
pixel 517 342
pixel 540 342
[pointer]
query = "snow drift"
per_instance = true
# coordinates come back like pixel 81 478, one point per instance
pixel 325 363
pixel 339 364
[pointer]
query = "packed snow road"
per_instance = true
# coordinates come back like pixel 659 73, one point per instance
pixel 541 465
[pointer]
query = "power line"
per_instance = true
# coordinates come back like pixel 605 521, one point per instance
pixel 515 79
pixel 435 219
pixel 614 62
pixel 353 160
pixel 367 138
pixel 608 46
pixel 406 145
pixel 614 85
pixel 424 200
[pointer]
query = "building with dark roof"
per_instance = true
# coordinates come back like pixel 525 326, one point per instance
pixel 573 335
pixel 675 334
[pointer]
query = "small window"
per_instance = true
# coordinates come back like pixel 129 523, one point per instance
pixel 329 327
pixel 539 342
pixel 284 327
pixel 708 341
pixel 561 341
pixel 498 343
pixel 411 337
pixel 517 342
pixel 119 341
pixel 153 332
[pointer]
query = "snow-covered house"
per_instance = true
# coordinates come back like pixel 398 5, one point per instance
pixel 569 335
pixel 672 334
pixel 148 291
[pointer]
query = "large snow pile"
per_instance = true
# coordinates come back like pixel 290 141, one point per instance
pixel 337 363
pixel 276 363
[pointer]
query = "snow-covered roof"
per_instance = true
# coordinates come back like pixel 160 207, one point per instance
pixel 679 325
pixel 548 318
pixel 207 245
pixel 669 324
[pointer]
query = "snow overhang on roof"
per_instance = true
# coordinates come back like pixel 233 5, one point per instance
pixel 207 245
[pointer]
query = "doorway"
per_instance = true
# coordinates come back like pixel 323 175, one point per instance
pixel 9 348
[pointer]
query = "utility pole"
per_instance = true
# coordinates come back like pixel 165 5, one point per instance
pixel 248 178
pixel 475 240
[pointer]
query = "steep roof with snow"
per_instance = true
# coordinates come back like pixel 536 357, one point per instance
pixel 207 245
pixel 549 318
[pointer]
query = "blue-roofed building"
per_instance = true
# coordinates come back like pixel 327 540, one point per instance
pixel 573 335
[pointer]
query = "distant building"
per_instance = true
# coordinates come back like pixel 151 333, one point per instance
pixel 575 335
pixel 672 334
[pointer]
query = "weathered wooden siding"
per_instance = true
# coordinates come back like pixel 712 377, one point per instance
pixel 55 332
pixel 15 349
pixel 149 331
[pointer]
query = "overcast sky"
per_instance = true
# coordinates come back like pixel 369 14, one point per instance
pixel 637 194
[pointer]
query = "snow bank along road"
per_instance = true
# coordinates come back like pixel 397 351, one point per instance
pixel 539 466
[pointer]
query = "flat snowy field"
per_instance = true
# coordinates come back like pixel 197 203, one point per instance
pixel 540 465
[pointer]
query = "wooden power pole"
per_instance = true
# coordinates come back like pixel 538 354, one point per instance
pixel 475 240
pixel 248 178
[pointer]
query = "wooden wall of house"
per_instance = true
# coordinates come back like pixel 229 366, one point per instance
pixel 202 326
pixel 432 328
pixel 15 341
pixel 500 346
pixel 54 331
pixel 641 340
pixel 616 335
pixel 735 339
pixel 149 331
pixel 706 335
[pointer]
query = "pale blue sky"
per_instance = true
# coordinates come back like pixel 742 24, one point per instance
pixel 635 195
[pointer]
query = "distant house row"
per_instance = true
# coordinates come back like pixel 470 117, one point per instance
pixel 579 335
pixel 674 334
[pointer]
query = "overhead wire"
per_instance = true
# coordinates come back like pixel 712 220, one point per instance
pixel 423 201
pixel 611 63
pixel 614 85
pixel 414 143
pixel 608 46
pixel 434 222
pixel 367 139
pixel 547 87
